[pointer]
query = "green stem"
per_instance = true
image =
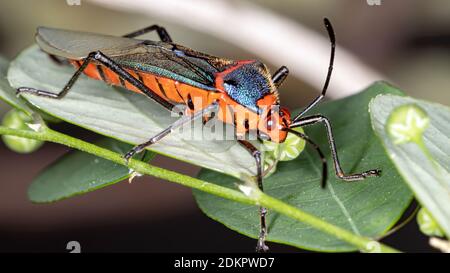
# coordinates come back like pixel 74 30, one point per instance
pixel 363 243
pixel 46 134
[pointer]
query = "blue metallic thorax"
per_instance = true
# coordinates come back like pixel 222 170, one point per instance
pixel 247 85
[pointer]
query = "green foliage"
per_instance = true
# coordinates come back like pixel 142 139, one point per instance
pixel 19 120
pixel 77 172
pixel 427 224
pixel 424 161
pixel 367 207
pixel 7 93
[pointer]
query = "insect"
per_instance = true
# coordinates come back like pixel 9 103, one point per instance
pixel 171 74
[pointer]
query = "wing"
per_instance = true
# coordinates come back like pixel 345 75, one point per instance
pixel 176 62
pixel 162 59
pixel 77 45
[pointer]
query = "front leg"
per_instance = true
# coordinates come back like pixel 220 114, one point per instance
pixel 337 165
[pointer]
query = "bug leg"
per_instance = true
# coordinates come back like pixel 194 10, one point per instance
pixel 106 61
pixel 65 89
pixel 177 124
pixel 139 148
pixel 337 166
pixel 330 30
pixel 280 75
pixel 162 33
pixel 261 246
pixel 125 75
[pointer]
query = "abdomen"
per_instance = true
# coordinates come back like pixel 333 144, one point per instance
pixel 168 89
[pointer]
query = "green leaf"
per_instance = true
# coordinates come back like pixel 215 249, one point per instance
pixel 121 114
pixel 77 172
pixel 7 93
pixel 368 207
pixel 425 165
pixel 19 120
pixel 427 224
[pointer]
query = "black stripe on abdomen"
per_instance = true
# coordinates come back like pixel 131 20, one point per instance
pixel 101 73
pixel 161 88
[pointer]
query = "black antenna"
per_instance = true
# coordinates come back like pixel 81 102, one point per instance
pixel 330 30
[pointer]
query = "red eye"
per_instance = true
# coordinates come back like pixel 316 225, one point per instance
pixel 285 116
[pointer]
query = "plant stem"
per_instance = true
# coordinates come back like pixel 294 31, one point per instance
pixel 46 134
pixel 363 243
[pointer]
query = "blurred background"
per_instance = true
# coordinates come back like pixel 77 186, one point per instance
pixel 406 42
